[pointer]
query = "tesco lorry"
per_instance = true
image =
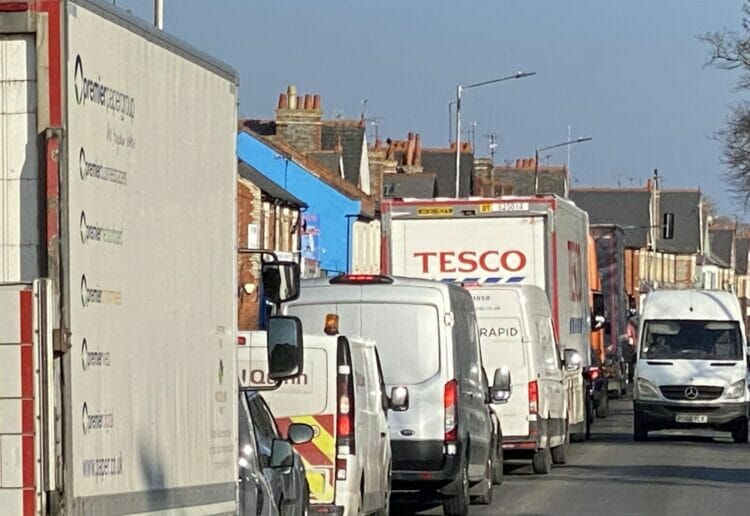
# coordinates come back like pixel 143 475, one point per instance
pixel 117 267
pixel 540 240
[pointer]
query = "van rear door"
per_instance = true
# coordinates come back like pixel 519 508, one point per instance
pixel 309 398
pixel 501 332
pixel 410 338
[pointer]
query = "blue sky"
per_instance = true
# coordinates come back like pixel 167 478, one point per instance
pixel 631 75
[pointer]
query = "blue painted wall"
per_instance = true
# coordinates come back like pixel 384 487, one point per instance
pixel 325 203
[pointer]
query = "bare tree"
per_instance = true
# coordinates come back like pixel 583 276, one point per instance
pixel 730 50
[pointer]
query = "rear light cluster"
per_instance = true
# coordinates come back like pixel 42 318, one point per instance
pixel 360 279
pixel 593 372
pixel 345 443
pixel 450 404
pixel 533 397
pixel 241 341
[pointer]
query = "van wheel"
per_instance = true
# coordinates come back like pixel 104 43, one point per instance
pixel 458 504
pixel 498 465
pixel 542 461
pixel 486 486
pixel 739 433
pixel 560 453
pixel 602 410
pixel 640 430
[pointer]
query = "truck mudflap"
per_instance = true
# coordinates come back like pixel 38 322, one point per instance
pixel 26 427
pixel 318 456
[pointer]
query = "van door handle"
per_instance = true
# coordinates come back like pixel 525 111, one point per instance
pixel 382 434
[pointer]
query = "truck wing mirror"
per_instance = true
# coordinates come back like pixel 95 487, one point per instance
pixel 285 349
pixel 501 386
pixel 281 281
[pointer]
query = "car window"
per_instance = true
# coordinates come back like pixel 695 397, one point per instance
pixel 265 428
pixel 248 447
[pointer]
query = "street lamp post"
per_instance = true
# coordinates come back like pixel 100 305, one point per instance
pixel 539 149
pixel 459 89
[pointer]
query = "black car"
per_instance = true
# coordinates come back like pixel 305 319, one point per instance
pixel 294 492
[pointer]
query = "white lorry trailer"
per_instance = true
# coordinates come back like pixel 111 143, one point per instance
pixel 117 267
pixel 539 240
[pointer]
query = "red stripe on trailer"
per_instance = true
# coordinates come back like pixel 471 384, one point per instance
pixel 53 187
pixel 28 462
pixel 27 359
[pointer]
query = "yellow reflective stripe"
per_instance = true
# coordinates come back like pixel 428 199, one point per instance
pixel 320 482
pixel 323 441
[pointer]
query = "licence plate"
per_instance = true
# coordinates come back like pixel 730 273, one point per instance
pixel 691 418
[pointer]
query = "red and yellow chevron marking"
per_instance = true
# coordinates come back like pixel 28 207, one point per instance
pixel 318 456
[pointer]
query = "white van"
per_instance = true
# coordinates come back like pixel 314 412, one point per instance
pixel 341 394
pixel 515 331
pixel 691 369
pixel 427 336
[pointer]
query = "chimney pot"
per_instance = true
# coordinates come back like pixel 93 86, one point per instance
pixel 316 102
pixel 308 102
pixel 518 163
pixel 300 102
pixel 417 150
pixel 282 101
pixel 291 92
pixel 409 157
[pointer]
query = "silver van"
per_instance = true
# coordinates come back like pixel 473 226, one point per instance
pixel 428 340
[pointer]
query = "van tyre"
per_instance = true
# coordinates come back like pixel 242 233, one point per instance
pixel 560 453
pixel 640 430
pixel 485 497
pixel 739 432
pixel 542 461
pixel 602 410
pixel 458 504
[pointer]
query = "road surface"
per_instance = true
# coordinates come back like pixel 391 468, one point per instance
pixel 674 473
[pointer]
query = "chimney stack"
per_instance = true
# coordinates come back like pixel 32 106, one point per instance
pixel 299 120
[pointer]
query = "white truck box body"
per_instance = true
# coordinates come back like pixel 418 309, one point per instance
pixel 140 128
pixel 540 241
pixel 516 240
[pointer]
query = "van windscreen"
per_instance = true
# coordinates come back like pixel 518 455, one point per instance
pixel 689 339
pixel 407 335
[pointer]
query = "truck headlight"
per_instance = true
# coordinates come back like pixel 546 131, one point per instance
pixel 736 390
pixel 647 390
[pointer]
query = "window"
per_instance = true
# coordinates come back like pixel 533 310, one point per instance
pixel 692 340
pixel 264 426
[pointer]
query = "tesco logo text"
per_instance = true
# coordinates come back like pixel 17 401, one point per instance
pixel 471 261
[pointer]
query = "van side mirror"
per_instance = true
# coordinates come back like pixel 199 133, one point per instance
pixel 572 359
pixel 399 399
pixel 598 312
pixel 501 386
pixel 300 433
pixel 632 308
pixel 282 454
pixel 285 350
pixel 281 281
